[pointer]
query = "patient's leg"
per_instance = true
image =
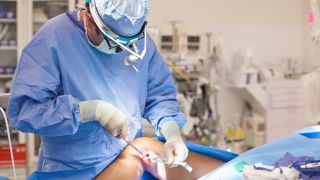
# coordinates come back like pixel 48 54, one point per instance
pixel 129 166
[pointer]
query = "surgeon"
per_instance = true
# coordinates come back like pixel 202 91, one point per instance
pixel 84 83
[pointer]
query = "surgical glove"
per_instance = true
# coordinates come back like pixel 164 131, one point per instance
pixel 175 149
pixel 107 115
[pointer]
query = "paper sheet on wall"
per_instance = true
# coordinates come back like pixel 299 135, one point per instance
pixel 285 109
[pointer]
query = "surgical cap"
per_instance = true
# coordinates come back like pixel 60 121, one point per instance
pixel 124 17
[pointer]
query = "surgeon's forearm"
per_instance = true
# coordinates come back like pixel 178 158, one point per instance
pixel 97 110
pixel 55 117
pixel 170 130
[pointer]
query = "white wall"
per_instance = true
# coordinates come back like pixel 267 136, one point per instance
pixel 259 12
pixel 309 50
pixel 272 29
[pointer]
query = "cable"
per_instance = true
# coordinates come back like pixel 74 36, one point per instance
pixel 10 144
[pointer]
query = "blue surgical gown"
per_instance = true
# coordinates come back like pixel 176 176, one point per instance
pixel 59 68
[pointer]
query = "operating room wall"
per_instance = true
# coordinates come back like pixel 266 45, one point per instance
pixel 271 29
pixel 310 51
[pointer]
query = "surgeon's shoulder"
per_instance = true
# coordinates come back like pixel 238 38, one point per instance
pixel 151 43
pixel 151 47
pixel 46 41
pixel 54 27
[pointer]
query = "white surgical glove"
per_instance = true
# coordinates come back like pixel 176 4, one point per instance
pixel 175 149
pixel 107 115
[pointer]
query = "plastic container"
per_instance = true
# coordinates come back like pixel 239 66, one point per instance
pixel 19 153
pixel 2 70
pixel 10 69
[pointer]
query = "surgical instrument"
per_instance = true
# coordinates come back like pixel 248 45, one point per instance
pixel 158 159
pixel 135 148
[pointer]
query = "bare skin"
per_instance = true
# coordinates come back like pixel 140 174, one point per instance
pixel 93 33
pixel 130 166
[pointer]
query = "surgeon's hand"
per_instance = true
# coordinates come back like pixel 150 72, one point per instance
pixel 107 115
pixel 175 149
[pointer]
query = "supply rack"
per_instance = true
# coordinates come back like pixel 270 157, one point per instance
pixel 22 18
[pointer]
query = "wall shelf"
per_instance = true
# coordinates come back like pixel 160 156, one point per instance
pixel 21 29
pixel 8 48
pixel 6 76
pixel 7 20
pixel 39 22
pixel 254 94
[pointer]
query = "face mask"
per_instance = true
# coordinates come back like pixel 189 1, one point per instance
pixel 103 47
